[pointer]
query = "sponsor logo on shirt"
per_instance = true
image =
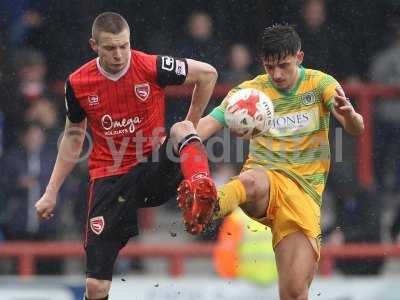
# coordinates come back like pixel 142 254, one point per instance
pixel 121 126
pixel 97 224
pixel 142 91
pixel 93 100
pixel 295 123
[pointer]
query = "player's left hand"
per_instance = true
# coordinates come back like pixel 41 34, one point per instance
pixel 342 104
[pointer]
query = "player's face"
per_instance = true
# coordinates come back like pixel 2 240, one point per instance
pixel 113 50
pixel 284 72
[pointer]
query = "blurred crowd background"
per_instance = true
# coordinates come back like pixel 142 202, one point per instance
pixel 42 41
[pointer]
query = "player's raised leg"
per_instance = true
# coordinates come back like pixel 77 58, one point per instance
pixel 296 260
pixel 196 193
pixel 250 191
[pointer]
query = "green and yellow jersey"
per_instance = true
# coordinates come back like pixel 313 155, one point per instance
pixel 297 143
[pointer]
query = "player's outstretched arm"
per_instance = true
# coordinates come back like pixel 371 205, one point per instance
pixel 207 127
pixel 344 112
pixel 68 154
pixel 204 76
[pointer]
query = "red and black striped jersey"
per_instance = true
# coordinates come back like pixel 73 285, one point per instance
pixel 125 111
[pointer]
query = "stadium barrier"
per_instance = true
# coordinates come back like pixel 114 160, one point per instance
pixel 26 253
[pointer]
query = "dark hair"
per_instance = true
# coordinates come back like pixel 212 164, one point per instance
pixel 110 22
pixel 279 41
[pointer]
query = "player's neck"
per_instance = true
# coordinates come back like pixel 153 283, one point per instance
pixel 112 76
pixel 296 79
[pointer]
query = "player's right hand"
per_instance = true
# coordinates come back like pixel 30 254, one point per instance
pixel 45 206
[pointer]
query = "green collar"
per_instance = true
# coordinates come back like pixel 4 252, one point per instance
pixel 292 91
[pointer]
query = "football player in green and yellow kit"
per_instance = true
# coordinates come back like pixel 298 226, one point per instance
pixel 283 178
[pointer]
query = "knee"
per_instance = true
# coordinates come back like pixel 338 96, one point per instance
pixel 96 288
pixel 294 293
pixel 294 290
pixel 181 129
pixel 255 184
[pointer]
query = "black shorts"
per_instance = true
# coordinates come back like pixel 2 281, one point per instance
pixel 113 204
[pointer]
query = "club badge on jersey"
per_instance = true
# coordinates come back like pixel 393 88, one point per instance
pixel 142 91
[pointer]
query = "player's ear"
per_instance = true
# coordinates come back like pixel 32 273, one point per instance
pixel 93 44
pixel 299 57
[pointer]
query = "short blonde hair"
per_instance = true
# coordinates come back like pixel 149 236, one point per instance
pixel 110 22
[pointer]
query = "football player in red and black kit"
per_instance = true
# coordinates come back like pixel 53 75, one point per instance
pixel 120 96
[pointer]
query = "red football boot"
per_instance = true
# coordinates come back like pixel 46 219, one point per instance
pixel 197 198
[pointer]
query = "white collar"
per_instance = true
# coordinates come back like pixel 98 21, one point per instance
pixel 116 76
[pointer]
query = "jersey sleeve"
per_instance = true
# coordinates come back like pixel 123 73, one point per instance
pixel 218 113
pixel 327 87
pixel 171 70
pixel 75 112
